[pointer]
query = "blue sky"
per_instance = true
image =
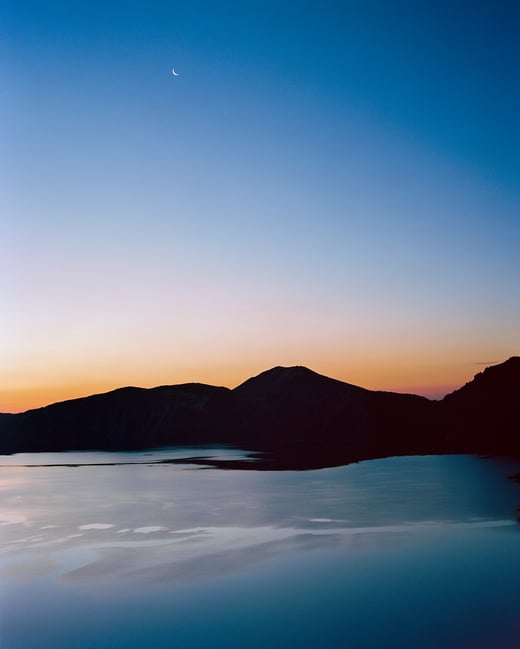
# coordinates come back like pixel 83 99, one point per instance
pixel 330 184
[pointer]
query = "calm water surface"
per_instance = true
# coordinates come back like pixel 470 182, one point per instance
pixel 404 553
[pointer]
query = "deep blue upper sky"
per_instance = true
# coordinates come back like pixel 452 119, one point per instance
pixel 323 183
pixel 443 72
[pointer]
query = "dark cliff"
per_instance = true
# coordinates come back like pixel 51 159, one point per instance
pixel 484 414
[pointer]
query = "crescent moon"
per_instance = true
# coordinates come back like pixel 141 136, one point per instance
pixel 175 74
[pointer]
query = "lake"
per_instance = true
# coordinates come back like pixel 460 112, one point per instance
pixel 125 550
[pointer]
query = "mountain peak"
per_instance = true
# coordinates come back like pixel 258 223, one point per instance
pixel 286 380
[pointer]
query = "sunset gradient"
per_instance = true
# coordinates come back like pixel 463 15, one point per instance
pixel 335 185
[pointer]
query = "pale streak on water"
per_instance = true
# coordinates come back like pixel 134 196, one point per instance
pixel 401 552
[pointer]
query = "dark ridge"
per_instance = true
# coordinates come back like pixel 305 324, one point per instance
pixel 296 417
pixel 485 413
pixel 296 380
pixel 126 418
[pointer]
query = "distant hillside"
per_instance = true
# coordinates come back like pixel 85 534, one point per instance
pixel 127 418
pixel 299 415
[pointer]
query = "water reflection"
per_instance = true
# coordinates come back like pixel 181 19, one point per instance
pixel 365 533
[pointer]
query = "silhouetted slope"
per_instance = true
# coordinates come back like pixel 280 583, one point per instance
pixel 126 418
pixel 7 434
pixel 303 418
pixel 292 404
pixel 294 381
pixel 484 415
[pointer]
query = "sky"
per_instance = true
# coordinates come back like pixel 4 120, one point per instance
pixel 328 184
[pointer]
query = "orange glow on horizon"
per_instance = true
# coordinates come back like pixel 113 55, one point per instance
pixel 432 382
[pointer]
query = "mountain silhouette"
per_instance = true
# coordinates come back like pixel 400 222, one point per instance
pixel 296 416
pixel 295 410
pixel 485 414
pixel 296 381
